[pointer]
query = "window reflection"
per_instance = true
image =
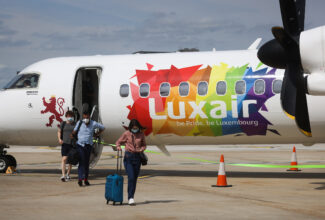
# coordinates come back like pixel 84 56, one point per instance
pixel 202 88
pixel 144 90
pixel 221 88
pixel 184 88
pixel 240 87
pixel 259 87
pixel 164 89
pixel 276 87
pixel 124 90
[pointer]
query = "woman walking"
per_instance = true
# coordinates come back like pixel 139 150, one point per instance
pixel 66 128
pixel 134 141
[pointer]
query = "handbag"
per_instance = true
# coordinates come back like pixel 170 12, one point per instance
pixel 73 156
pixel 143 158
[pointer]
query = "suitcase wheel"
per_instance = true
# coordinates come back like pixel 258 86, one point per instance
pixel 120 203
pixel 107 201
pixel 113 203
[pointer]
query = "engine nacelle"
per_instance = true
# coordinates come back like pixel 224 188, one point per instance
pixel 316 83
pixel 312 53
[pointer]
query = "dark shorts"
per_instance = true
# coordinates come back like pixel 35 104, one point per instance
pixel 65 149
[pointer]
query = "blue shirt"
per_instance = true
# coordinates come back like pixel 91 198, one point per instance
pixel 86 133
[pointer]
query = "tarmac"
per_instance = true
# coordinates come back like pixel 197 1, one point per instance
pixel 175 187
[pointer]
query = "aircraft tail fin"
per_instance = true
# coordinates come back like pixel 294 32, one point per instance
pixel 255 44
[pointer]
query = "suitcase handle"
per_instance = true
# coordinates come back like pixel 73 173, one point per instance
pixel 119 162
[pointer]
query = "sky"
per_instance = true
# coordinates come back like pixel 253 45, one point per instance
pixel 34 30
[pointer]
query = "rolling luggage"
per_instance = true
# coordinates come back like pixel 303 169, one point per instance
pixel 114 184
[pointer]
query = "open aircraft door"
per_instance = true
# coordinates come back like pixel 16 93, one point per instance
pixel 85 98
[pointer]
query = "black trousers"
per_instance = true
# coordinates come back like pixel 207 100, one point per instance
pixel 84 155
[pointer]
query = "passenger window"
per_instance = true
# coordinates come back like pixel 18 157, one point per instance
pixel 164 89
pixel 144 90
pixel 124 90
pixel 184 89
pixel 240 87
pixel 276 86
pixel 221 88
pixel 202 88
pixel 23 81
pixel 259 87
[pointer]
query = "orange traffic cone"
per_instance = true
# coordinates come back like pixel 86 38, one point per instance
pixel 11 170
pixel 294 161
pixel 222 179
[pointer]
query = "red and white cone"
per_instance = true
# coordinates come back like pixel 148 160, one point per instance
pixel 294 161
pixel 222 179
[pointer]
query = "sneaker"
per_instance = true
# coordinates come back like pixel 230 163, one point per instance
pixel 80 182
pixel 67 178
pixel 131 202
pixel 87 183
pixel 62 178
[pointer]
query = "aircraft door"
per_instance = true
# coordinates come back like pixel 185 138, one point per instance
pixel 77 96
pixel 85 98
pixel 98 146
pixel 86 90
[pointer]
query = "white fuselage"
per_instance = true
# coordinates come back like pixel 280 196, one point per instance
pixel 212 118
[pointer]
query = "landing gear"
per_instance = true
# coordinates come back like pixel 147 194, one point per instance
pixel 6 160
pixel 4 163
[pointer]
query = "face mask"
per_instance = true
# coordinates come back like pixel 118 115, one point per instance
pixel 86 120
pixel 70 119
pixel 135 130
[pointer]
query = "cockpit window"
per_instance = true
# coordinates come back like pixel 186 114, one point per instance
pixel 23 81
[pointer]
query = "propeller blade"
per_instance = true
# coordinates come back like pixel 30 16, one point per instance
pixel 284 51
pixel 290 45
pixel 293 15
pixel 286 41
pixel 302 116
pixel 289 93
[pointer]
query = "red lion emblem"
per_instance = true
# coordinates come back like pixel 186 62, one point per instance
pixel 51 107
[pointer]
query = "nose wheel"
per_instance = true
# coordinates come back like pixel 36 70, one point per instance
pixel 6 160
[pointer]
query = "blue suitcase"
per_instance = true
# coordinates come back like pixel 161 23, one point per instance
pixel 114 184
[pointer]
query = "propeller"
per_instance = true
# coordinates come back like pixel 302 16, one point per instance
pixel 283 52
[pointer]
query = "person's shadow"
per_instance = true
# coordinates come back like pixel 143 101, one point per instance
pixel 322 187
pixel 144 203
pixel 155 201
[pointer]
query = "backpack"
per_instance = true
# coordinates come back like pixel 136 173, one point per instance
pixel 62 127
pixel 79 125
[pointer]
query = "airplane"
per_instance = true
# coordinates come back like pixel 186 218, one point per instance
pixel 215 97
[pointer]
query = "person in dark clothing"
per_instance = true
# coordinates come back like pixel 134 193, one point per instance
pixel 134 141
pixel 64 131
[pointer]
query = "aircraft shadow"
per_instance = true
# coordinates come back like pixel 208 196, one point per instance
pixel 147 173
pixel 319 183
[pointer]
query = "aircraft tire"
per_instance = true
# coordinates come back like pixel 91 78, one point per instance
pixel 12 160
pixel 4 163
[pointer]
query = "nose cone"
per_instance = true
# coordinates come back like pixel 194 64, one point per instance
pixel 272 54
